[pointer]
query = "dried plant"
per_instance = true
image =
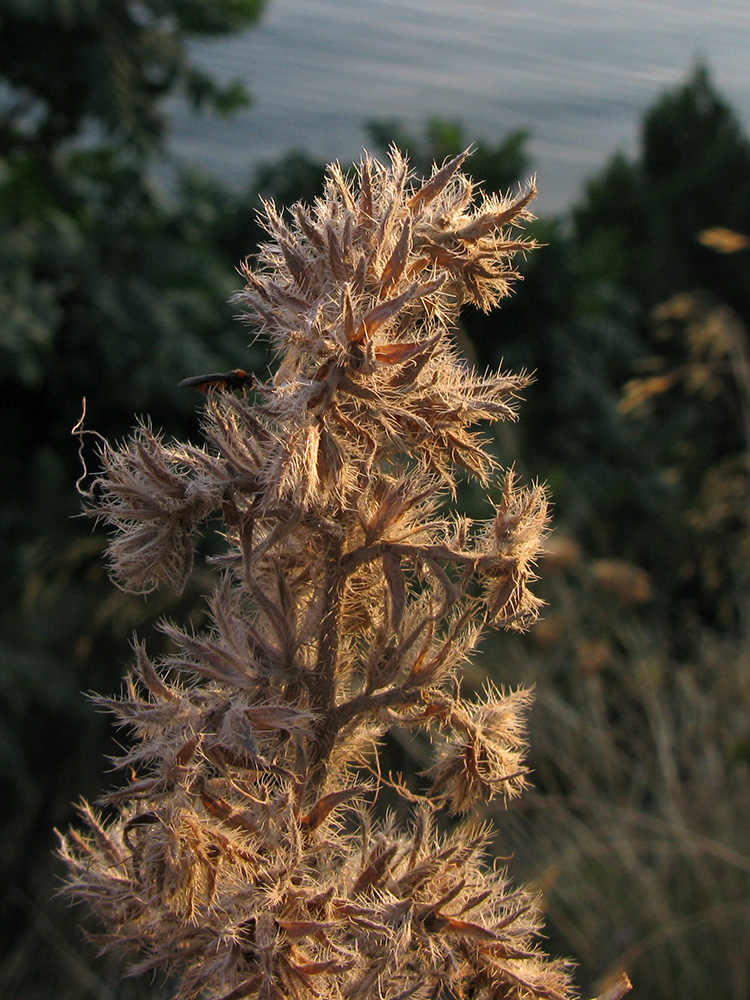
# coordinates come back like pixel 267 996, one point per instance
pixel 245 855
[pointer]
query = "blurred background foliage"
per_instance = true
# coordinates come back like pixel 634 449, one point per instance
pixel 116 269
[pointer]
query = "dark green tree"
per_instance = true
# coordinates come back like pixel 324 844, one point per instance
pixel 106 65
pixel 638 221
pixel 113 275
pixel 638 237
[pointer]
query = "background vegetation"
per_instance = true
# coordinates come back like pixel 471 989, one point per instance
pixel 116 270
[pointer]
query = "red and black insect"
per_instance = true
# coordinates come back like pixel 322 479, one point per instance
pixel 222 382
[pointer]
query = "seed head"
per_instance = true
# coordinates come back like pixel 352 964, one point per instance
pixel 245 854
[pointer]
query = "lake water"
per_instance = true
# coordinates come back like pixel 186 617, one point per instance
pixel 577 74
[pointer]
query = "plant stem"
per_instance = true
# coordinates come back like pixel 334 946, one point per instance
pixel 322 680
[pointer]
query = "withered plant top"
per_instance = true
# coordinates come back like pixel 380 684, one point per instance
pixel 244 855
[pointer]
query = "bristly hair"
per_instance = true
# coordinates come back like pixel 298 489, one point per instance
pixel 244 854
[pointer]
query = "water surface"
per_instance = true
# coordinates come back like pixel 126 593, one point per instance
pixel 577 74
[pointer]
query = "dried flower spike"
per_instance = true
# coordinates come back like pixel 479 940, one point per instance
pixel 244 856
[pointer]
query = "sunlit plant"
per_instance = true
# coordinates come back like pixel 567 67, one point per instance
pixel 246 854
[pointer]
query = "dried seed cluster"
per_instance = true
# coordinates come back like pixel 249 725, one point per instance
pixel 244 855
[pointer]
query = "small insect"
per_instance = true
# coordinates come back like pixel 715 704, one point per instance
pixel 222 382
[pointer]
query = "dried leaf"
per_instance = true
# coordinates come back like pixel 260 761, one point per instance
pixel 395 264
pixel 223 810
pixel 386 310
pixel 374 872
pixel 145 670
pixel 187 751
pixel 490 221
pixel 723 240
pixel 302 928
pixel 452 925
pixel 353 334
pixel 429 191
pixel 397 354
pixel 323 806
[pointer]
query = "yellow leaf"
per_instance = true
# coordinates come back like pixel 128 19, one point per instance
pixel 723 240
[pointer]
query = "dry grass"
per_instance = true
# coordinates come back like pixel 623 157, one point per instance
pixel 637 829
